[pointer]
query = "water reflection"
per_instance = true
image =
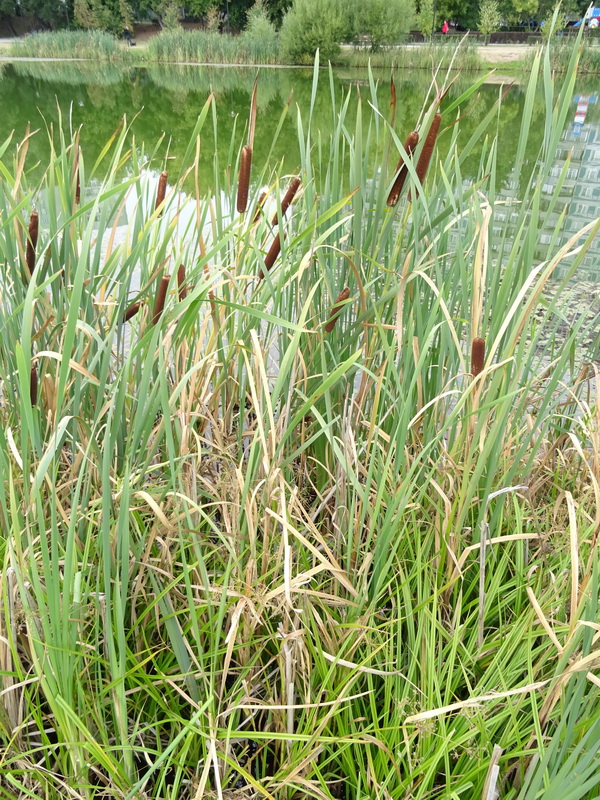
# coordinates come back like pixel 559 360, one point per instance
pixel 99 95
pixel 577 168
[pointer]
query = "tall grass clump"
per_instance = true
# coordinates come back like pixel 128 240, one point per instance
pixel 285 537
pixel 210 47
pixel 68 44
pixel 562 51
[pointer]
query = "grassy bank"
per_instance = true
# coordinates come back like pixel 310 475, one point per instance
pixel 425 56
pixel 316 520
pixel 589 59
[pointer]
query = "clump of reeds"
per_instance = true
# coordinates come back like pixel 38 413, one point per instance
pixel 427 151
pixel 161 191
pixel 335 311
pixel 33 385
pixel 32 239
pixel 411 142
pixel 244 178
pixel 288 198
pixel 131 311
pixel 477 356
pixel 161 296
pixel 181 282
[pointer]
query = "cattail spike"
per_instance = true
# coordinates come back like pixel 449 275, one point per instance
pixel 161 191
pixel 271 256
pixel 335 311
pixel 181 282
pixel 411 142
pixel 427 151
pixel 288 198
pixel 32 239
pixel 477 356
pixel 161 296
pixel 131 311
pixel 261 201
pixel 244 178
pixel 77 179
pixel 33 386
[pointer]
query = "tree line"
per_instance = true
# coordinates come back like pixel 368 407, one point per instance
pixel 382 20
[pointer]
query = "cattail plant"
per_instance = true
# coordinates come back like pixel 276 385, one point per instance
pixel 427 151
pixel 261 201
pixel 244 178
pixel 288 198
pixel 32 238
pixel 33 385
pixel 402 169
pixel 477 356
pixel 77 178
pixel 271 256
pixel 131 311
pixel 181 282
pixel 161 296
pixel 161 190
pixel 335 311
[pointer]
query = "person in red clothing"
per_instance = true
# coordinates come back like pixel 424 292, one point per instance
pixel 445 27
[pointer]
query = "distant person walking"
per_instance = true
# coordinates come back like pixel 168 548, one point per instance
pixel 445 27
pixel 127 35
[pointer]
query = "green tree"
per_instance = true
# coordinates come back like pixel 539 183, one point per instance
pixel 425 17
pixel 516 11
pixel 102 15
pixel 489 17
pixel 383 21
pixel 7 11
pixel 312 25
pixel 53 13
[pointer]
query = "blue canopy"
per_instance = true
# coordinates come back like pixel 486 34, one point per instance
pixel 595 12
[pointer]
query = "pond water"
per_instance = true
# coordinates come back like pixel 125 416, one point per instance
pixel 167 100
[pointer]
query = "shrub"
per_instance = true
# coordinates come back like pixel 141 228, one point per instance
pixel 260 40
pixel 425 17
pixel 312 25
pixel 383 21
pixel 554 24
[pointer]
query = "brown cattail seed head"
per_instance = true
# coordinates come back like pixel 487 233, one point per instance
pixel 77 181
pixel 32 238
pixel 339 303
pixel 181 282
pixel 131 311
pixel 271 256
pixel 161 191
pixel 411 142
pixel 161 296
pixel 244 178
pixel 33 386
pixel 427 151
pixel 287 199
pixel 477 356
pixel 261 201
